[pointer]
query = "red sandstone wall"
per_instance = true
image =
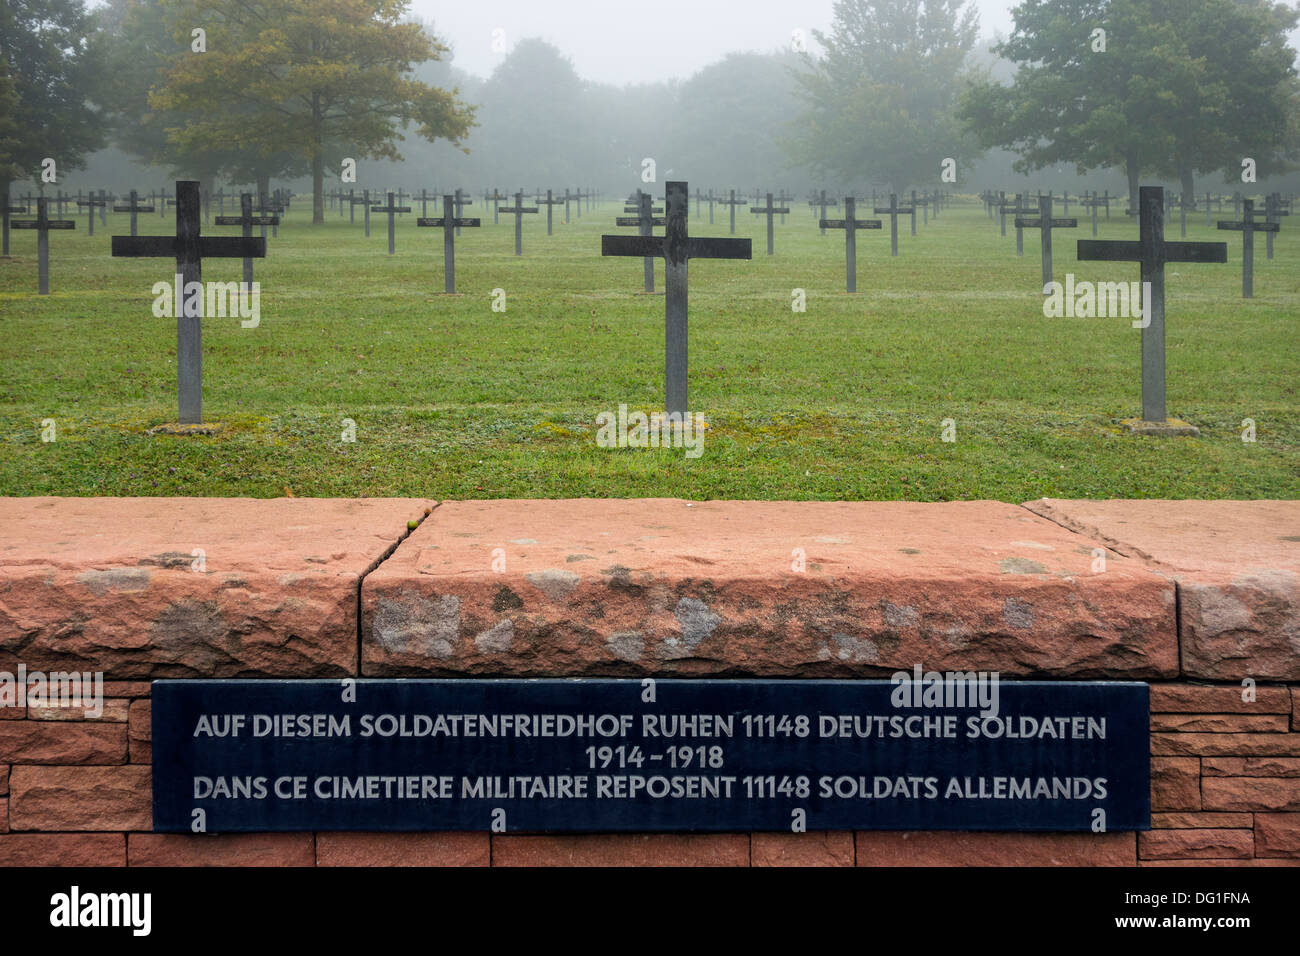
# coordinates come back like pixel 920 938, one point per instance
pixel 1225 790
pixel 287 584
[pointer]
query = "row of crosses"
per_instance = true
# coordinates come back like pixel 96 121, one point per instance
pixel 189 247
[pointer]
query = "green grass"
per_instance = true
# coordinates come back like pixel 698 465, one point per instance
pixel 452 400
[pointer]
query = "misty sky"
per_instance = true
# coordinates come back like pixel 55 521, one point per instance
pixel 624 41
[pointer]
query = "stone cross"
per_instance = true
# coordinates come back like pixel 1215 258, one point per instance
pixel 819 204
pixel 1094 203
pixel 1273 203
pixel 677 249
pixel 1004 205
pixel 364 203
pixel 450 223
pixel 646 221
pixel 550 202
pixel 733 202
pixel 924 203
pixel 770 211
pixel 90 205
pixel 1152 252
pixel 518 211
pixel 248 221
pixel 278 203
pixel 134 208
pixel 462 200
pixel 1045 223
pixel 894 209
pixel 392 209
pixel 189 249
pixel 424 198
pixel 850 224
pixel 1248 226
pixel 494 198
pixel 43 224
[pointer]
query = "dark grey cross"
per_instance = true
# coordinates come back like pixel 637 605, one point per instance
pixel 1065 202
pixel 134 208
pixel 988 198
pixel 1236 204
pixel 462 200
pixel 364 203
pixel 770 212
pixel 550 202
pixel 1003 207
pixel 43 224
pixel 1152 252
pixel 495 198
pixel 1045 223
pixel 894 209
pixel 1094 202
pixel 645 221
pixel 248 221
pixel 579 195
pixel 925 210
pixel 568 198
pixel 782 199
pixel 733 202
pixel 221 201
pixel 189 248
pixel 90 205
pixel 392 209
pixel 819 203
pixel 109 199
pixel 450 223
pixel 1248 226
pixel 1272 211
pixel 277 204
pixel 163 203
pixel 424 198
pixel 518 211
pixel 677 249
pixel 850 224
pixel 709 198
pixel 1208 221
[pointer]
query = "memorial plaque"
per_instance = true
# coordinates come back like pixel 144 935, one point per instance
pixel 597 755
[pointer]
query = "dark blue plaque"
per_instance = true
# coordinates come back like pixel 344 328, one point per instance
pixel 632 755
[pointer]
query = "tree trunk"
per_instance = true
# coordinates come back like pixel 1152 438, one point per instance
pixel 1134 175
pixel 317 164
pixel 1188 184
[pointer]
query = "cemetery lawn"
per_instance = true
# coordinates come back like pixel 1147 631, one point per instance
pixel 453 400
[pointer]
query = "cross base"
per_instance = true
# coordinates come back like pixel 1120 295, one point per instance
pixel 1170 428
pixel 174 428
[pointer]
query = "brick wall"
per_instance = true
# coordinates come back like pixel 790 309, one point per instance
pixel 1225 784
pixel 1225 791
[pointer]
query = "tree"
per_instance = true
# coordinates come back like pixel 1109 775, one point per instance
pixel 49 65
pixel 305 78
pixel 731 119
pixel 1176 89
pixel 882 99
